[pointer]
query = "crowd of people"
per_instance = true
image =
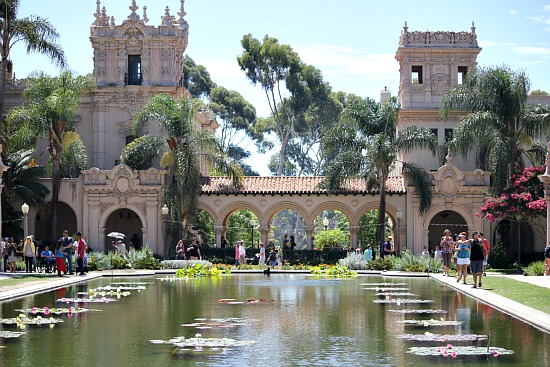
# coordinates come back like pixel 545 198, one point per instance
pixel 38 258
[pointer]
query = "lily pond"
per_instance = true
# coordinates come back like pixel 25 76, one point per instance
pixel 259 320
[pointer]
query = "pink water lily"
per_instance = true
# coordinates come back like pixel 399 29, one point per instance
pixel 453 354
pixel 449 346
pixel 495 353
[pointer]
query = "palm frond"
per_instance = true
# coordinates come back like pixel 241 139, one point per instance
pixel 416 137
pixel 420 179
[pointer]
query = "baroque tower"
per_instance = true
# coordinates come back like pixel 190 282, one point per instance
pixel 132 62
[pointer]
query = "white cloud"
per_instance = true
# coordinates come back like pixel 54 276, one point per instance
pixel 540 19
pixel 546 7
pixel 513 12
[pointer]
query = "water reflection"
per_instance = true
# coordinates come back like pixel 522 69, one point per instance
pixel 311 322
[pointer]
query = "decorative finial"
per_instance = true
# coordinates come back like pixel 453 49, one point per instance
pixel 145 19
pixel 167 19
pixel 112 24
pixel 405 28
pixel 473 28
pixel 98 9
pixel 133 8
pixel 448 157
pixel 181 21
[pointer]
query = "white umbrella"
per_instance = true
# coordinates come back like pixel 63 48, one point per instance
pixel 116 235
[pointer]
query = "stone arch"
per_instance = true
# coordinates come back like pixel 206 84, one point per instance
pixel 455 208
pixel 66 219
pixel 104 243
pixel 331 205
pixel 212 212
pixel 391 211
pixel 443 219
pixel 105 216
pixel 274 209
pixel 226 211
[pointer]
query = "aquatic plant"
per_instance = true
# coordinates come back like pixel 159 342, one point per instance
pixel 385 289
pixel 231 322
pixel 455 351
pixel 198 270
pixel 5 334
pixel 200 344
pixel 432 322
pixel 388 284
pixel 399 301
pixel 55 310
pixel 406 311
pixel 85 300
pixel 444 338
pixel 114 293
pixel 23 320
pixel 395 294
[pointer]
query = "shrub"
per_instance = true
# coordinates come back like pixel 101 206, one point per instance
pixel 380 264
pixel 143 259
pixel 331 239
pixel 498 257
pixel 353 261
pixel 536 268
pixel 198 270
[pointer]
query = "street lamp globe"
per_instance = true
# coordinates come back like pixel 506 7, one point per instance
pixel 164 210
pixel 25 208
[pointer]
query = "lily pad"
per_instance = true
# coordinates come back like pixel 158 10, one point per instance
pixel 457 351
pixel 386 289
pixel 444 338
pixel 406 311
pixel 395 294
pixel 432 322
pixel 200 344
pixel 85 300
pixel 399 301
pixel 56 311
pixel 5 334
pixel 384 284
pixel 23 320
pixel 115 293
pixel 119 288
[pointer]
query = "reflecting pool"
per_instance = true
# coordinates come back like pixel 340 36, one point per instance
pixel 311 322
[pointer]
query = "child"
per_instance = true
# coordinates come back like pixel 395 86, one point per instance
pixel 60 258
pixel 438 254
pixel 425 252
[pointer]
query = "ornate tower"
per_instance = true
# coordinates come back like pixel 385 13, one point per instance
pixel 132 62
pixel 429 64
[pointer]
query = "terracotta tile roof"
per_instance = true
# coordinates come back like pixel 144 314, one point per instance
pixel 291 185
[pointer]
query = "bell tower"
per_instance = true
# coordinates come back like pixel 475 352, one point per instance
pixel 132 62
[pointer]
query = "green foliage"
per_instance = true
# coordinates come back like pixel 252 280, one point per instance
pixel 538 92
pixel 380 264
pixel 239 228
pixel 415 263
pixel 367 229
pixel 331 239
pixel 536 268
pixel 143 259
pixel 334 271
pixel 74 159
pixel 198 270
pixel 101 261
pixel 142 151
pixel 181 264
pixel 499 257
pixel 196 78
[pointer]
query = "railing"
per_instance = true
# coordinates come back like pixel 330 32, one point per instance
pixel 132 79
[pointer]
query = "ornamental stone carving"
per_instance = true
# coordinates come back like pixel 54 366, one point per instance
pixel 122 180
pixel 448 181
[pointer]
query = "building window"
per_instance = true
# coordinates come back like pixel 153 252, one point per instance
pixel 416 75
pixel 129 139
pixel 435 132
pixel 449 135
pixel 462 70
pixel 134 70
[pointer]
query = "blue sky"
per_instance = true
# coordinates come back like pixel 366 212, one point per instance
pixel 353 42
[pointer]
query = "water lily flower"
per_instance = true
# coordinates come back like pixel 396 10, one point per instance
pixel 453 354
pixel 450 346
pixel 495 353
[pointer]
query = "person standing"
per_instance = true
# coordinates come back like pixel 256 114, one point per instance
pixel 547 259
pixel 242 252
pixel 121 248
pixel 462 246
pixel 4 254
pixel 487 250
pixel 261 257
pixel 12 257
pixel 292 243
pixel 446 245
pixel 60 258
pixel 29 252
pixel 285 241
pixel 477 256
pixel 272 257
pixel 280 260
pixel 193 251
pixel 68 245
pixel 367 255
pixel 387 248
pixel 80 252
pixel 180 250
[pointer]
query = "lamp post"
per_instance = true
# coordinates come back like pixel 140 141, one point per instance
pixel 164 212
pixel 253 224
pixel 399 215
pixel 25 210
pixel 325 222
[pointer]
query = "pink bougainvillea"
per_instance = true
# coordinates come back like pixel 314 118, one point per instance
pixel 525 197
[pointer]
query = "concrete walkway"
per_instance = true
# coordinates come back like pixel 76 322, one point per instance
pixel 529 315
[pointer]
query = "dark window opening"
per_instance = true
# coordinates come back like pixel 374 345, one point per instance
pixel 449 135
pixel 435 132
pixel 129 139
pixel 134 70
pixel 416 75
pixel 462 70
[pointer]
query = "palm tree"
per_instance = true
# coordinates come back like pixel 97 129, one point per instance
pixel 365 144
pixel 500 125
pixel 37 33
pixel 186 146
pixel 49 112
pixel 21 184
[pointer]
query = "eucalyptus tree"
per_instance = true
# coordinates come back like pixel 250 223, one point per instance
pixel 290 86
pixel 366 143
pixel 48 112
pixel 500 126
pixel 185 146
pixel 35 32
pixel 196 79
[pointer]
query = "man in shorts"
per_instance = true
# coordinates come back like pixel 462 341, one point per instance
pixel 487 249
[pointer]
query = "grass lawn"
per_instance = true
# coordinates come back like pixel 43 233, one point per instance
pixel 24 281
pixel 524 293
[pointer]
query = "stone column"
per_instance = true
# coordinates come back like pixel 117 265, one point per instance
pixel 220 231
pixel 264 234
pixel 354 231
pixel 545 178
pixel 309 236
pixel 97 246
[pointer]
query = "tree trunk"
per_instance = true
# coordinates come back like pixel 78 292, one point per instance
pixel 56 184
pixel 3 70
pixel 381 222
